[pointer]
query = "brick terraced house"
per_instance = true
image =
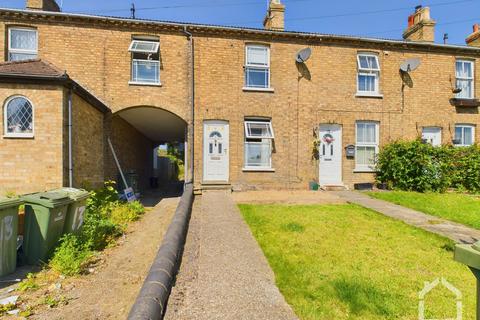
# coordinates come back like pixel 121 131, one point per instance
pixel 256 108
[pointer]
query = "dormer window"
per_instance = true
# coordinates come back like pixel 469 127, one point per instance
pixel 368 74
pixel 22 44
pixel 145 62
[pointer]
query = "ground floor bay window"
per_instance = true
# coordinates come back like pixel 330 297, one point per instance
pixel 258 144
pixel 366 148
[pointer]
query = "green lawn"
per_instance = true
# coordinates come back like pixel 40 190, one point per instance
pixel 456 207
pixel 347 262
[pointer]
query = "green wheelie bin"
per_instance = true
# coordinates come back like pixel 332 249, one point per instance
pixel 76 210
pixel 8 235
pixel 45 215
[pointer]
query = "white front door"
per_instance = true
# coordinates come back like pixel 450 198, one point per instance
pixel 215 151
pixel 330 151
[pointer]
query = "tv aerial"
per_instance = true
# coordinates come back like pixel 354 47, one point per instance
pixel 303 55
pixel 410 65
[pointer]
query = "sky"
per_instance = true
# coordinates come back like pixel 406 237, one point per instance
pixel 370 18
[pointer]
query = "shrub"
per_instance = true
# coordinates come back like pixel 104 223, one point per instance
pixel 421 167
pixel 104 219
pixel 124 213
pixel 98 231
pixel 71 256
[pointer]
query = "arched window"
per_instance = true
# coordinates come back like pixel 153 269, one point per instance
pixel 18 117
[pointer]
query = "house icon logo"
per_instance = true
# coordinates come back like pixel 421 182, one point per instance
pixel 429 286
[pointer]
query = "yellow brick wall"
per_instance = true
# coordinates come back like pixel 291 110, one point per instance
pixel 87 144
pixel 31 165
pixel 97 56
pixel 133 149
pixel 298 106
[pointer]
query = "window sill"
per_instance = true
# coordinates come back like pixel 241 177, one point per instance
pixel 14 136
pixel 364 170
pixel 258 89
pixel 258 170
pixel 368 95
pixel 148 84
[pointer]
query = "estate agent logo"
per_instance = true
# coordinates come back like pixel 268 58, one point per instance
pixel 429 286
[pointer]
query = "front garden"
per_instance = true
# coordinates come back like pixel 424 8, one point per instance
pixel 347 262
pixel 105 220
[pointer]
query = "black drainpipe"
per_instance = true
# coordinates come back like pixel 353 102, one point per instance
pixel 192 103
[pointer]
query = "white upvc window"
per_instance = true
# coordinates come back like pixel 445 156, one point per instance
pixel 22 44
pixel 258 144
pixel 432 135
pixel 145 62
pixel 366 147
pixel 464 135
pixel 257 67
pixel 368 74
pixel 18 119
pixel 464 73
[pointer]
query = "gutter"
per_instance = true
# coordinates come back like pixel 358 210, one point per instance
pixel 191 134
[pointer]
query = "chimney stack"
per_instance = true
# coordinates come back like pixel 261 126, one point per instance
pixel 43 5
pixel 474 39
pixel 275 18
pixel 420 26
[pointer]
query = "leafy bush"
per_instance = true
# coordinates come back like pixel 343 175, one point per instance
pixel 421 167
pixel 104 220
pixel 71 256
pixel 122 214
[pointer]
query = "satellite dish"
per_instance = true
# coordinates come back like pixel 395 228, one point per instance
pixel 410 65
pixel 303 55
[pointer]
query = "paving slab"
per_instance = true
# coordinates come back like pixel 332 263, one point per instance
pixel 224 274
pixel 455 231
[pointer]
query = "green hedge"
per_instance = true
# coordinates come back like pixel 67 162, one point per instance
pixel 416 166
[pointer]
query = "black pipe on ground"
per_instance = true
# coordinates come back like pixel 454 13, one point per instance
pixel 152 300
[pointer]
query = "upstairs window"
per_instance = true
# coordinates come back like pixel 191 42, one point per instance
pixel 368 74
pixel 22 44
pixel 367 134
pixel 258 144
pixel 464 76
pixel 18 118
pixel 464 135
pixel 257 67
pixel 145 62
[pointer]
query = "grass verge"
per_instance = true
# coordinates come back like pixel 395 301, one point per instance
pixel 457 207
pixel 347 262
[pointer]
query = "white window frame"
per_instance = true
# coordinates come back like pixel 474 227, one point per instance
pixel 463 126
pixel 22 51
pixel 471 79
pixel 154 50
pixel 267 124
pixel 363 167
pixel 7 134
pixel 264 140
pixel 157 82
pixel 256 66
pixel 437 130
pixel 368 72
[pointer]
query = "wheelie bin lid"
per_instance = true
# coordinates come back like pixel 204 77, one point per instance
pixel 48 199
pixel 73 193
pixel 6 203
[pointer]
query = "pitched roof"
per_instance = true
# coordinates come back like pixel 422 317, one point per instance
pixel 31 68
pixel 38 71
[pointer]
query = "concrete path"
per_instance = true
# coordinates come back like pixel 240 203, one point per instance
pixel 224 274
pixel 456 232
